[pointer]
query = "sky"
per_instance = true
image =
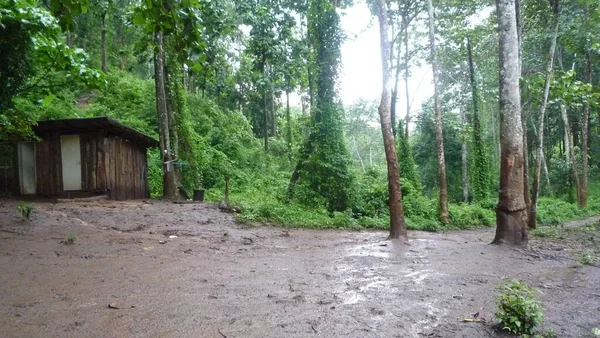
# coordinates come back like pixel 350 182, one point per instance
pixel 361 58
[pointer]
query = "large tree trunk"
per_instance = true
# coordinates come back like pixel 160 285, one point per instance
pixel 169 176
pixel 439 134
pixel 511 212
pixel 397 224
pixel 540 141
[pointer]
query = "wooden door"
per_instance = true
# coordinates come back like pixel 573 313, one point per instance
pixel 27 167
pixel 71 162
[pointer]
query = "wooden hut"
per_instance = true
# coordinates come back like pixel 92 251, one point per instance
pixel 83 157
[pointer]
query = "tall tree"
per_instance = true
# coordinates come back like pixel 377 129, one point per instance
pixel 439 118
pixel 397 224
pixel 511 211
pixel 542 117
pixel 480 167
pixel 323 164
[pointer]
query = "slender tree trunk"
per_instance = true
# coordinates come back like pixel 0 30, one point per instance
pixel 511 211
pixel 567 139
pixel 265 121
pixel 571 150
pixel 439 121
pixel 395 96
pixel 464 158
pixel 362 163
pixel 103 41
pixel 406 92
pixel 273 112
pixel 288 117
pixel 540 141
pixel 69 39
pixel 169 177
pixel 397 224
pixel 583 191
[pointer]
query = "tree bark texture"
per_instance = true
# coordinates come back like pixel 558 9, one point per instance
pixel 540 141
pixel 169 177
pixel 397 224
pixel 439 121
pixel 511 212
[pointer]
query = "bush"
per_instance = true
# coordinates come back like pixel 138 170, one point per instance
pixel 25 209
pixel 519 312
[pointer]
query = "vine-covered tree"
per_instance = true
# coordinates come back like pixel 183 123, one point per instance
pixel 322 170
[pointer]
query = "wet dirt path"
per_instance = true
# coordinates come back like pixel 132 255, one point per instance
pixel 218 279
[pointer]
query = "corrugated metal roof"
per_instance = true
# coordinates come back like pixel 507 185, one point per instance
pixel 95 124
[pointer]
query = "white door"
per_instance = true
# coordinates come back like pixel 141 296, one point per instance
pixel 27 167
pixel 71 162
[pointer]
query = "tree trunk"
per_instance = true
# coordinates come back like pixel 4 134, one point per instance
pixel 583 191
pixel 406 61
pixel 464 158
pixel 570 148
pixel 265 121
pixel 273 112
pixel 103 41
pixel 69 39
pixel 439 135
pixel 480 176
pixel 288 117
pixel 362 163
pixel 540 141
pixel 511 212
pixel 169 177
pixel 397 224
pixel 395 91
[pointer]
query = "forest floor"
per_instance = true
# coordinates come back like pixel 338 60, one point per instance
pixel 123 276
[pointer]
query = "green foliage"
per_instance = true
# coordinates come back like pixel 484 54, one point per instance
pixel 479 168
pixel 31 48
pixel 408 168
pixel 519 311
pixel 25 210
pixel 587 258
pixel 70 239
pixel 322 171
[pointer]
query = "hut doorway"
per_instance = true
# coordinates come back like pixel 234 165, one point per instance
pixel 27 167
pixel 71 162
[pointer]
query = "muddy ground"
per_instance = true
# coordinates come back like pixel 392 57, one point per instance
pixel 221 279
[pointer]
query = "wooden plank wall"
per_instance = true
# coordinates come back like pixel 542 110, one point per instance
pixel 120 168
pixel 49 166
pixel 109 164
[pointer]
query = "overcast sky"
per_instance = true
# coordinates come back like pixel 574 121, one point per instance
pixel 361 57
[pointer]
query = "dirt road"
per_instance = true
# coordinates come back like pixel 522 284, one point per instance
pixel 219 279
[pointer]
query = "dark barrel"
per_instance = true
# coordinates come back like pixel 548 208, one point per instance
pixel 199 195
